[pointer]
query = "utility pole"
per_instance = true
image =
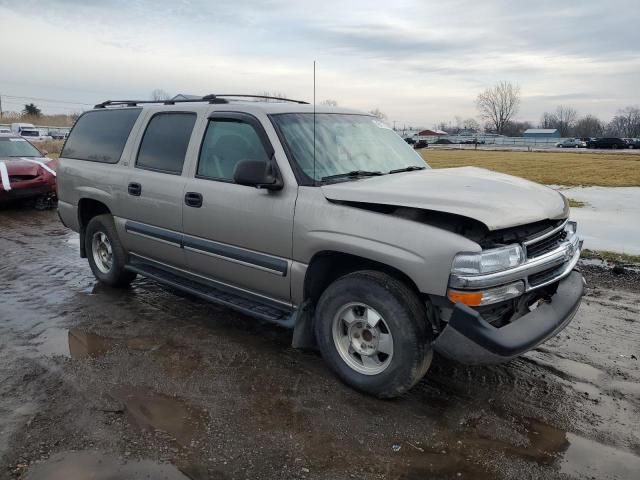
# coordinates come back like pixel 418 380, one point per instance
pixel 0 106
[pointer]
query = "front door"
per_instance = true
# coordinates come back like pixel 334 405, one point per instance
pixel 155 189
pixel 238 235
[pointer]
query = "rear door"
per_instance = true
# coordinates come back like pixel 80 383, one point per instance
pixel 236 234
pixel 155 187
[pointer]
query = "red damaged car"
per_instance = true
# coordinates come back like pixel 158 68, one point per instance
pixel 25 173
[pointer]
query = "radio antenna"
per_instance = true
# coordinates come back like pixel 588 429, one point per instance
pixel 314 121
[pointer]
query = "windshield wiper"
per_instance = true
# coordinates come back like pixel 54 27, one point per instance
pixel 410 168
pixel 353 174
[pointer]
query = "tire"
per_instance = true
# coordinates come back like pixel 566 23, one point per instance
pixel 402 315
pixel 100 236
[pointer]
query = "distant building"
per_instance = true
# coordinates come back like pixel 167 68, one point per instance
pixel 432 133
pixel 541 133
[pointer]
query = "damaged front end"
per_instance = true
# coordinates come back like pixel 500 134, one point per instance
pixel 507 299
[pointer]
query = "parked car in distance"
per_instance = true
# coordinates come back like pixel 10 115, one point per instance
pixel 347 236
pixel 25 172
pixel 607 142
pixel 632 142
pixel 421 144
pixel 442 141
pixel 29 131
pixel 571 143
pixel 58 134
pixel 410 141
pixel 5 130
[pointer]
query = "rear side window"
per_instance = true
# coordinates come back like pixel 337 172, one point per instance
pixel 100 136
pixel 165 142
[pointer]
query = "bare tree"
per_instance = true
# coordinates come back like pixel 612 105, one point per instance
pixel 548 120
pixel 565 119
pixel 329 102
pixel 626 123
pixel 471 124
pixel 158 95
pixel 588 126
pixel 273 94
pixel 377 113
pixel 516 129
pixel 498 104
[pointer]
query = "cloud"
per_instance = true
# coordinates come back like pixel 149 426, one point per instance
pixel 419 61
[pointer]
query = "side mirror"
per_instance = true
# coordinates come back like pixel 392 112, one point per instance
pixel 256 173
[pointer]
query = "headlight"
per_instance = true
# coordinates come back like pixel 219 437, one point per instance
pixel 488 261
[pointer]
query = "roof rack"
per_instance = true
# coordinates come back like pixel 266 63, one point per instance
pixel 217 98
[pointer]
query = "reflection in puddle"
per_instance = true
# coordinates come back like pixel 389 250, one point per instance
pixel 587 458
pixel 153 411
pixel 97 466
pixel 570 453
pixel 85 344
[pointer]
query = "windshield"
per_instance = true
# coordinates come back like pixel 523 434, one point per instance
pixel 17 147
pixel 344 143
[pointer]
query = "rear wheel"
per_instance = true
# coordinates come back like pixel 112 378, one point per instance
pixel 107 257
pixel 372 332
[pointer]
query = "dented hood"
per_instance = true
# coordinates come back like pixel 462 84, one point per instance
pixel 27 165
pixel 495 199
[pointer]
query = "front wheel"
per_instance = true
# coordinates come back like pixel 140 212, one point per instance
pixel 107 257
pixel 372 331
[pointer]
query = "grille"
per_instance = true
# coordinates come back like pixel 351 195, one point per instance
pixel 541 277
pixel 546 245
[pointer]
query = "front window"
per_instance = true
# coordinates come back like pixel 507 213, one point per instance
pixel 344 143
pixel 17 147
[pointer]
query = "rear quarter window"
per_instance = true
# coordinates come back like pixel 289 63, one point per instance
pixel 165 142
pixel 100 136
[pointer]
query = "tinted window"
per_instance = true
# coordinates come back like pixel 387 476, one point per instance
pixel 17 147
pixel 226 143
pixel 100 136
pixel 165 142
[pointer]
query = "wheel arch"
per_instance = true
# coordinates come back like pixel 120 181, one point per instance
pixel 87 209
pixel 329 265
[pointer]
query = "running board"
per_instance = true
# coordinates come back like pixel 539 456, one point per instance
pixel 236 300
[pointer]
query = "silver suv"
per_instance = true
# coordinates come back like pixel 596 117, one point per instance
pixel 324 221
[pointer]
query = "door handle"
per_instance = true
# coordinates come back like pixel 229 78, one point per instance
pixel 134 189
pixel 193 199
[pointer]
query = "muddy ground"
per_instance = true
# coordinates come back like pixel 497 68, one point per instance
pixel 149 383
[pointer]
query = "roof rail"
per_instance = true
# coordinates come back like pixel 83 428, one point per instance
pixel 207 98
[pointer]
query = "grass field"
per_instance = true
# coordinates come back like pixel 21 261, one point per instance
pixel 587 169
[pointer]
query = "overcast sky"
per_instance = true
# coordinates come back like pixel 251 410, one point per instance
pixel 420 62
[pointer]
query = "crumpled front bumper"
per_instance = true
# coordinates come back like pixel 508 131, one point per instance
pixel 469 339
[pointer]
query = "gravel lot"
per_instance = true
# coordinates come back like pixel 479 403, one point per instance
pixel 149 383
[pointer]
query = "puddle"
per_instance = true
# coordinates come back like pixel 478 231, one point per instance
pixel 99 466
pixel 610 220
pixel 77 343
pixel 153 411
pixel 566 367
pixel 587 458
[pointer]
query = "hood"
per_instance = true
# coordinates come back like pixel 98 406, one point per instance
pixel 27 165
pixel 495 199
